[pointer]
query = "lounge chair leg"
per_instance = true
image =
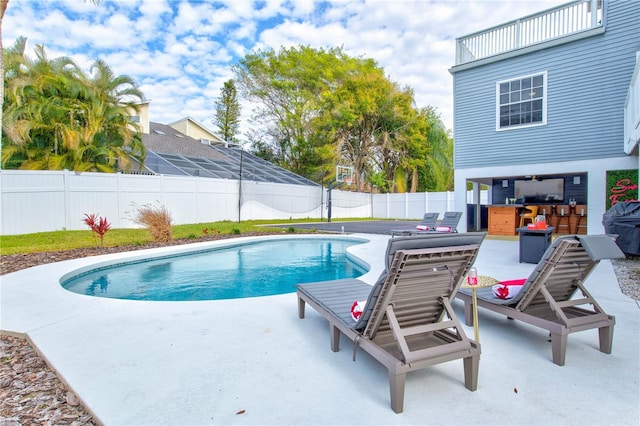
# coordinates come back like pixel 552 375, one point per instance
pixel 396 390
pixel 300 308
pixel 468 313
pixel 334 332
pixel 471 367
pixel 606 339
pixel 558 348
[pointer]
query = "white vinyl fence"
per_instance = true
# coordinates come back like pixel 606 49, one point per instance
pixel 38 201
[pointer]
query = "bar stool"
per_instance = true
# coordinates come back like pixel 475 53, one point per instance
pixel 581 214
pixel 563 212
pixel 529 215
pixel 547 212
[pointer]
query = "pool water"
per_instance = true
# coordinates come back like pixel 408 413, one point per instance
pixel 248 270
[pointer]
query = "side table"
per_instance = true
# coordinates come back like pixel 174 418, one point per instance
pixel 483 281
pixel 533 243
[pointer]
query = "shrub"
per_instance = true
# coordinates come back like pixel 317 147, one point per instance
pixel 235 231
pixel 207 231
pixel 99 226
pixel 156 219
pixel 291 230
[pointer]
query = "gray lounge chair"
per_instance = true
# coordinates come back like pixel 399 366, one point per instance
pixel 554 297
pixel 408 322
pixel 429 220
pixel 451 220
pixel 449 223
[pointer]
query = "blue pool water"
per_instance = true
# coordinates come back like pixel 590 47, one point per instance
pixel 247 270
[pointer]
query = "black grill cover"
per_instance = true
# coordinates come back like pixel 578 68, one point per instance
pixel 623 219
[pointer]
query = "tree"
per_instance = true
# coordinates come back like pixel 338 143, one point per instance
pixel 3 9
pixel 318 108
pixel 289 87
pixel 358 112
pixel 58 117
pixel 227 112
pixel 437 173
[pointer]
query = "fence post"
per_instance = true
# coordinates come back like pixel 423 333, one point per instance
pixel 426 202
pixel 67 198
pixel 2 214
pixel 388 208
pixel 406 205
pixel 119 200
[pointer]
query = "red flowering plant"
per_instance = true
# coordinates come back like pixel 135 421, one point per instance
pixel 99 226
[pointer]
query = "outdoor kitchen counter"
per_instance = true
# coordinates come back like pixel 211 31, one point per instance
pixel 504 218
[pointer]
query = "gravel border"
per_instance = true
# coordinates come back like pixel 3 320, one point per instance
pixel 628 274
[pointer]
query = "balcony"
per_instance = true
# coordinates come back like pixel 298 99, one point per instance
pixel 574 19
pixel 632 111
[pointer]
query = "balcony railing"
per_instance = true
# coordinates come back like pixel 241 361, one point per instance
pixel 632 111
pixel 551 24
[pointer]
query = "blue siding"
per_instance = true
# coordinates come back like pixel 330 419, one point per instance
pixel 587 84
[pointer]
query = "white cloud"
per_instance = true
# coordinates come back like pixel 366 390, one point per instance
pixel 181 52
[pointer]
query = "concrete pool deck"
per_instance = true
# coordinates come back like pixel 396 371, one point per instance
pixel 135 363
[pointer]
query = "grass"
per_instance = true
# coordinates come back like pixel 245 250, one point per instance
pixel 68 240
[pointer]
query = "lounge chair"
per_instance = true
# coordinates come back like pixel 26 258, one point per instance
pixel 554 297
pixel 408 322
pixel 449 223
pixel 450 220
pixel 427 223
pixel 429 220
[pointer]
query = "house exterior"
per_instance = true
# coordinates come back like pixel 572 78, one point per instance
pixel 550 96
pixel 193 128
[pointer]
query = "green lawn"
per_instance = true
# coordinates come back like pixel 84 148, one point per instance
pixel 67 240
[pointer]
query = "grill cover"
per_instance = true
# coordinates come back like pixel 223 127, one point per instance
pixel 623 219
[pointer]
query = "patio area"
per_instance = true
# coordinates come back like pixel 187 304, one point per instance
pixel 252 361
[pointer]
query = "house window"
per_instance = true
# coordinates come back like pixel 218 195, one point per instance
pixel 522 102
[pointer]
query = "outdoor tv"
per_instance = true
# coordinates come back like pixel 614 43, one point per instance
pixel 539 191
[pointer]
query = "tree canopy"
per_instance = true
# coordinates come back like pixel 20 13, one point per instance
pixel 56 116
pixel 317 108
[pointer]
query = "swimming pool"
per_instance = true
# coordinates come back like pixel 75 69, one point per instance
pixel 249 269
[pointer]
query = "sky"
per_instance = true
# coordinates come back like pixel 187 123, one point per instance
pixel 180 52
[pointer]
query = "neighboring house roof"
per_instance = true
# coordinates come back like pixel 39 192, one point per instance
pixel 171 152
pixel 163 138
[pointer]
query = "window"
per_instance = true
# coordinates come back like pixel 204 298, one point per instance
pixel 522 102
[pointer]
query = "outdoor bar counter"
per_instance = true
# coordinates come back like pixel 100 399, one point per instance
pixel 504 218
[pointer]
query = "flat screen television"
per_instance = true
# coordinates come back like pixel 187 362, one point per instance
pixel 539 191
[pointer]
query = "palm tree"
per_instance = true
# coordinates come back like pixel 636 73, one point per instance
pixel 36 105
pixel 3 9
pixel 108 133
pixel 58 117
